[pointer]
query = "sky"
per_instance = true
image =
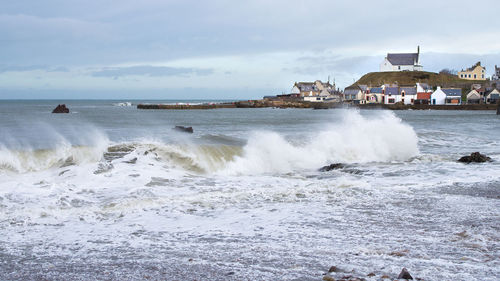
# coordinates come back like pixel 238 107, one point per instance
pixel 152 49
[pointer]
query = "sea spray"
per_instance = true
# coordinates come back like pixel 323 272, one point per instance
pixel 381 137
pixel 27 158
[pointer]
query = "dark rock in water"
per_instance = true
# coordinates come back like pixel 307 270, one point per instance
pixel 405 274
pixel 475 157
pixel 332 167
pixel 184 129
pixel 131 161
pixel 333 269
pixel 61 108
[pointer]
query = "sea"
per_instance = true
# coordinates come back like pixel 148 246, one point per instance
pixel 112 192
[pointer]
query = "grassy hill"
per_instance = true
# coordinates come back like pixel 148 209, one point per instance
pixel 407 78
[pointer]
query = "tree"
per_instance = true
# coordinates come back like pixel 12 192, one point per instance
pixel 448 71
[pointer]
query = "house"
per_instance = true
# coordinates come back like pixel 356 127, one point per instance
pixel 453 96
pixel 402 62
pixel 492 97
pixel 312 91
pixel 321 97
pixel 438 97
pixel 423 98
pixel 423 88
pixel 305 89
pixel 375 95
pixel 391 95
pixel 475 72
pixel 496 75
pixel 408 94
pixel 354 94
pixel 474 97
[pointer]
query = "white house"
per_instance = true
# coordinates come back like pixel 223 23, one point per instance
pixel 438 96
pixel 423 88
pixel 391 95
pixel 408 94
pixel 402 62
pixel 323 95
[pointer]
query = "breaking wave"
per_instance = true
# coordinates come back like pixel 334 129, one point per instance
pixel 356 139
pixel 381 137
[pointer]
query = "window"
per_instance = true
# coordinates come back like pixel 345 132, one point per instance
pixel 403 94
pixel 469 75
pixel 482 76
pixel 475 76
pixel 412 100
pixel 461 76
pixel 391 100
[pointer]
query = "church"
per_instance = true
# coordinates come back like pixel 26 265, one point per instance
pixel 402 62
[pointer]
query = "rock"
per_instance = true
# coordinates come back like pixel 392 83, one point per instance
pixel 61 108
pixel 332 167
pixel 385 277
pixel 475 157
pixel 184 129
pixel 328 278
pixel 333 269
pixel 405 274
pixel 371 274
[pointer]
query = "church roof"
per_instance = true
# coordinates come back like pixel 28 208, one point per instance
pixel 403 59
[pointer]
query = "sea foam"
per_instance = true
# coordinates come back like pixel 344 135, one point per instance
pixel 381 137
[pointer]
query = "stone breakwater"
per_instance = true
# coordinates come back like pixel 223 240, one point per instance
pixel 186 106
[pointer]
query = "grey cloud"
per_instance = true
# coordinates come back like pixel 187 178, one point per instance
pixel 335 64
pixel 152 71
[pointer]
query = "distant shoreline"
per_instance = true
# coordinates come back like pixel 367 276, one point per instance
pixel 316 105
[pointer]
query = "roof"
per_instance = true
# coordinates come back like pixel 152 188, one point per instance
pixel 363 87
pixel 376 90
pixel 391 91
pixel 478 64
pixel 306 86
pixel 403 59
pixel 408 90
pixel 492 92
pixel 351 91
pixel 452 92
pixel 423 96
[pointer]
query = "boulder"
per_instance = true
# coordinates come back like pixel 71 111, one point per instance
pixel 184 129
pixel 475 157
pixel 61 108
pixel 405 274
pixel 332 167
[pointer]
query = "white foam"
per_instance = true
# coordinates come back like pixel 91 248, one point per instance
pixel 356 139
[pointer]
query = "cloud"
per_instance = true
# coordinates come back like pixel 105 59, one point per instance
pixel 25 68
pixel 152 71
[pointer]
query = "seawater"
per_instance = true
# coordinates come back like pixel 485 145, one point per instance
pixel 112 192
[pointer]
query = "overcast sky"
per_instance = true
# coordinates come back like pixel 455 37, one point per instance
pixel 227 49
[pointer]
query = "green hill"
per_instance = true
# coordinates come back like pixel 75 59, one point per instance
pixel 407 78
